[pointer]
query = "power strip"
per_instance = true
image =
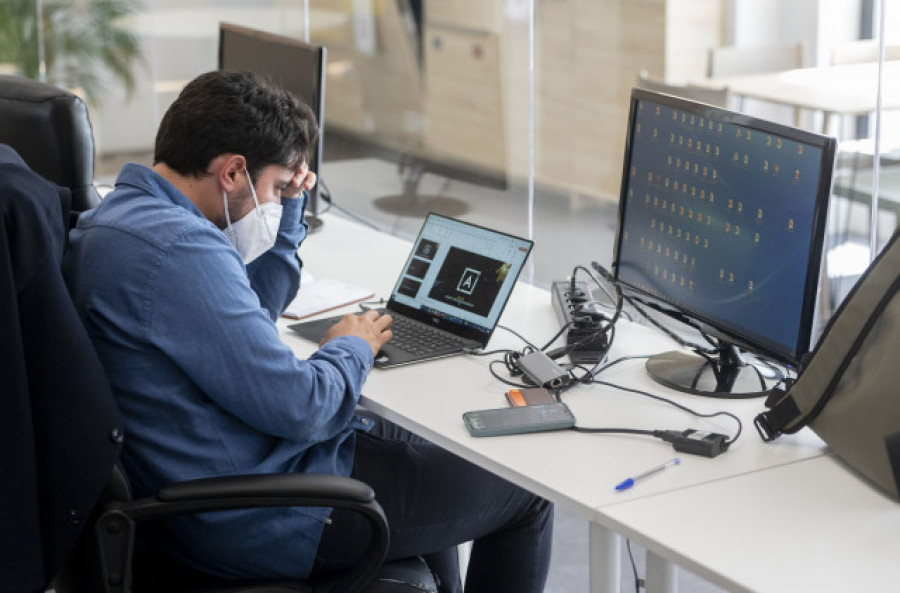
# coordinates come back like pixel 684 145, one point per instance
pixel 586 342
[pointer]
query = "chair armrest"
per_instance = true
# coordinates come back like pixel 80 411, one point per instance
pixel 116 525
pixel 250 491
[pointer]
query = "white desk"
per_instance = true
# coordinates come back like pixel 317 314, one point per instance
pixel 575 470
pixel 808 526
pixel 846 89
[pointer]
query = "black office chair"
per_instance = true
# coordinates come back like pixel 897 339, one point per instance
pixel 68 518
pixel 113 558
pixel 50 129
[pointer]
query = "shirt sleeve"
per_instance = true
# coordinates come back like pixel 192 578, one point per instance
pixel 204 315
pixel 275 275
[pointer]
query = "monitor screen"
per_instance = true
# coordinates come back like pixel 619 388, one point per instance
pixel 298 67
pixel 721 223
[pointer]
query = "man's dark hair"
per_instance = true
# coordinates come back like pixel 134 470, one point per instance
pixel 235 112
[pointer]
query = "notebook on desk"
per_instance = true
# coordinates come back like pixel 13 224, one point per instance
pixel 450 293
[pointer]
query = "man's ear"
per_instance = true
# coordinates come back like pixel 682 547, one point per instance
pixel 228 168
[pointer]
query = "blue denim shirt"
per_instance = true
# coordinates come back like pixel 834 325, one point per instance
pixel 206 386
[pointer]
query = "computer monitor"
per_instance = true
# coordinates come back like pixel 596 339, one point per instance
pixel 721 225
pixel 297 66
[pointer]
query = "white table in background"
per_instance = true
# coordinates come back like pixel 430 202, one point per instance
pixel 847 89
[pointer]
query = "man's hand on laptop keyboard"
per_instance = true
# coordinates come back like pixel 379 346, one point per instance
pixel 371 326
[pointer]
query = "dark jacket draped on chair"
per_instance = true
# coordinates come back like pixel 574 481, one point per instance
pixel 60 430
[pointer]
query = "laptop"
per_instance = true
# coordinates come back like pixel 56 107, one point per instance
pixel 450 293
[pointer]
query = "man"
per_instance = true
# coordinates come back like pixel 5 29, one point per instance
pixel 179 275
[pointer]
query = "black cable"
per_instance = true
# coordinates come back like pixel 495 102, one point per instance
pixel 510 358
pixel 623 359
pixel 603 330
pixel 679 406
pixel 327 198
pixel 681 341
pixel 366 305
pixel 638 582
pixel 596 281
pixel 652 396
pixel 324 195
pixel 617 301
pixel 518 335
pixel 589 374
pixel 487 352
pixel 712 354
pixel 555 337
pixel 613 430
pixel 633 302
pixel 505 381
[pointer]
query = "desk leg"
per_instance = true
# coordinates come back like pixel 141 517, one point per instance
pixel 605 559
pixel 662 575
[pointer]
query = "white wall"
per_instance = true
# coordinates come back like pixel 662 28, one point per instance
pixel 819 24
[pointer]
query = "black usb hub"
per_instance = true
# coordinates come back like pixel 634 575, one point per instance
pixel 586 339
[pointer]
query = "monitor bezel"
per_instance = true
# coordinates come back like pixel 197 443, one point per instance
pixel 315 195
pixel 696 318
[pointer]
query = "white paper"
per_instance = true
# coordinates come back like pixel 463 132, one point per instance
pixel 324 294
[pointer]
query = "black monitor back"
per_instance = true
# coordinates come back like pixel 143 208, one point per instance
pixel 297 66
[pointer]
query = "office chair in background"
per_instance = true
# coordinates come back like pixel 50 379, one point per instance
pixel 712 96
pixel 728 60
pixel 50 129
pixel 68 519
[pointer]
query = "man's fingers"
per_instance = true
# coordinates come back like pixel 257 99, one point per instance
pixel 309 181
pixel 384 322
pixel 371 314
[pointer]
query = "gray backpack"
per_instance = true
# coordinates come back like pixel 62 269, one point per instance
pixel 848 389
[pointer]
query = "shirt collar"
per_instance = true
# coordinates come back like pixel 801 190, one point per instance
pixel 154 184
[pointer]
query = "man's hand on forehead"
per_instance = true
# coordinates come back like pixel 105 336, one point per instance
pixel 303 179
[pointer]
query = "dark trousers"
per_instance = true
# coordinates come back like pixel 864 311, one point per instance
pixel 435 500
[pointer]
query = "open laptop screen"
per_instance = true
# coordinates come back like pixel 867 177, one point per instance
pixel 460 275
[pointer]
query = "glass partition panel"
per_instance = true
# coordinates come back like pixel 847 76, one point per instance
pixel 589 55
pixel 426 109
pixel 426 104
pixel 178 40
pixel 459 106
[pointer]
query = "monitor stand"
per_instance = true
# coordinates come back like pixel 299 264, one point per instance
pixel 724 374
pixel 314 222
pixel 411 203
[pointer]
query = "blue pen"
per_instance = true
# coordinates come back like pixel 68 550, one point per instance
pixel 631 481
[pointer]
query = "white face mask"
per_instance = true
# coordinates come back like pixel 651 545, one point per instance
pixel 255 233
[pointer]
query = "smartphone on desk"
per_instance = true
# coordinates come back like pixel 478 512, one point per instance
pixel 500 421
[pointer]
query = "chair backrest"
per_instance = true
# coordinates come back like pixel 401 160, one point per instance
pixel 711 96
pixel 863 50
pixel 50 129
pixel 733 59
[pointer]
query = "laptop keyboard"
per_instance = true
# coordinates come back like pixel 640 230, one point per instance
pixel 417 338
